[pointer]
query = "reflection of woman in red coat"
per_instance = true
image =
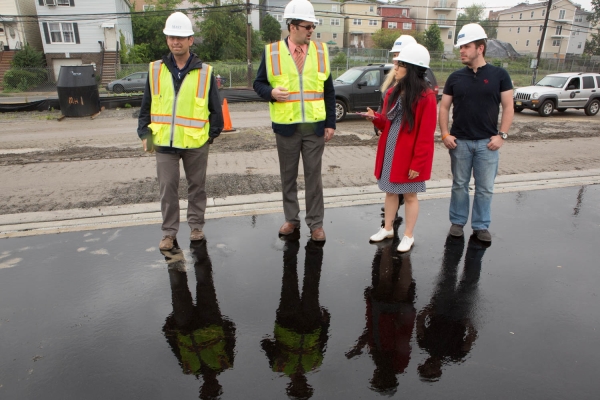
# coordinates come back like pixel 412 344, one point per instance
pixel 405 150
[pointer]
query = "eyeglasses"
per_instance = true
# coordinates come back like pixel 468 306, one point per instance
pixel 308 27
pixel 400 64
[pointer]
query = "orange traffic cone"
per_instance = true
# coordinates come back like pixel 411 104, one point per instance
pixel 226 118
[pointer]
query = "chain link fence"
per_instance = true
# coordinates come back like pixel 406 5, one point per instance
pixel 235 74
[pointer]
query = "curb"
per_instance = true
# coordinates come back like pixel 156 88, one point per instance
pixel 50 222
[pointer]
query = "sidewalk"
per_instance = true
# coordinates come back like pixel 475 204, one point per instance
pixel 37 223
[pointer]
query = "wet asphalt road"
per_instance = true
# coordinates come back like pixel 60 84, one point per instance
pixel 103 314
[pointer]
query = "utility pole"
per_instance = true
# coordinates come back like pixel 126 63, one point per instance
pixel 539 53
pixel 249 42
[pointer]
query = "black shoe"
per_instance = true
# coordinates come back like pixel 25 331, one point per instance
pixel 456 230
pixel 484 235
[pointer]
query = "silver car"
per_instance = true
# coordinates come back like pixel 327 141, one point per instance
pixel 131 83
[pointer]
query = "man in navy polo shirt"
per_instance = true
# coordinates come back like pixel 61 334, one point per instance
pixel 475 92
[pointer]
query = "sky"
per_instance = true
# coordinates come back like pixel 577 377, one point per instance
pixel 496 5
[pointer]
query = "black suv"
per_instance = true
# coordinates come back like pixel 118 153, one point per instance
pixel 360 87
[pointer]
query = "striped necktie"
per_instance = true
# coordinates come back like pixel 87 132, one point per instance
pixel 298 58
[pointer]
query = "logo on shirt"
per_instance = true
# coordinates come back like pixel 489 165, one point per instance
pixel 486 81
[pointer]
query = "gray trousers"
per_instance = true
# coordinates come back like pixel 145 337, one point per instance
pixel 167 169
pixel 289 149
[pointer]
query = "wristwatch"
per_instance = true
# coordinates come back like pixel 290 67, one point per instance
pixel 503 135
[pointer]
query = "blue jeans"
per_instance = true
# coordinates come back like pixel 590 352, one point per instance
pixel 472 155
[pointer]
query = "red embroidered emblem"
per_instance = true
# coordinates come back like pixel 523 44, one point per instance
pixel 486 81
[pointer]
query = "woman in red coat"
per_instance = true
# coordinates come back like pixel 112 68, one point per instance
pixel 405 150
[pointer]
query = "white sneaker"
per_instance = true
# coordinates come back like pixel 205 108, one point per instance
pixel 382 235
pixel 406 244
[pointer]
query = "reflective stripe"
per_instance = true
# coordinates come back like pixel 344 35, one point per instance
pixel 155 75
pixel 202 83
pixel 190 122
pixel 321 57
pixel 308 96
pixel 275 59
pixel 160 119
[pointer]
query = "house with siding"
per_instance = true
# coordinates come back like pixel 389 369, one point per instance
pixel 566 33
pixel 76 32
pixel 15 30
pixel 361 21
pixel 330 28
pixel 397 18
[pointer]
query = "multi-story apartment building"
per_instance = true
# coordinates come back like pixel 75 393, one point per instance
pixel 522 26
pixel 396 17
pixel 441 12
pixel 16 32
pixel 361 21
pixel 330 28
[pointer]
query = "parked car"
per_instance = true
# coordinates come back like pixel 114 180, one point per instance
pixel 360 87
pixel 131 83
pixel 577 90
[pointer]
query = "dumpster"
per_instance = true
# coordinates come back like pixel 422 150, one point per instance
pixel 77 91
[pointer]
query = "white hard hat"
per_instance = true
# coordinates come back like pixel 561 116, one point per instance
pixel 415 54
pixel 300 9
pixel 470 33
pixel 178 24
pixel 401 42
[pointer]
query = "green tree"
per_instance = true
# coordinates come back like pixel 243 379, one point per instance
pixel 28 57
pixel 471 14
pixel 592 46
pixel 490 26
pixel 433 39
pixel 270 29
pixel 385 38
pixel 224 36
pixel 148 29
pixel 594 17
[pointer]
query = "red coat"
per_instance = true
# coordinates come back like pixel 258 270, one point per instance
pixel 414 148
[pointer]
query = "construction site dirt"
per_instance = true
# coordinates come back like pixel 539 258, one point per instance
pixel 46 164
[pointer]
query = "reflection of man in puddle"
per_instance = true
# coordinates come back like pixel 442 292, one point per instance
pixel 445 328
pixel 390 317
pixel 301 324
pixel 202 339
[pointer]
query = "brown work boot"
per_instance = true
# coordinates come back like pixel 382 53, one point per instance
pixel 196 235
pixel 167 242
pixel 287 228
pixel 318 235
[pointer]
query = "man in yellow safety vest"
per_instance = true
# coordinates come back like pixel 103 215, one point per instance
pixel 294 75
pixel 180 115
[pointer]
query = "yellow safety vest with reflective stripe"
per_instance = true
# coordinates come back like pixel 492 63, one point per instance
pixel 179 120
pixel 298 351
pixel 306 101
pixel 203 346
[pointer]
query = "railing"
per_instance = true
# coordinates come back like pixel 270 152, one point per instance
pixel 443 4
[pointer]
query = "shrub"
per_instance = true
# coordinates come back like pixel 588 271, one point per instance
pixel 23 79
pixel 339 60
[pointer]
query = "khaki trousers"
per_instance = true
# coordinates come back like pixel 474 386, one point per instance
pixel 167 169
pixel 289 149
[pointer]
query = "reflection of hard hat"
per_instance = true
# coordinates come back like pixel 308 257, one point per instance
pixel 178 24
pixel 401 42
pixel 300 9
pixel 470 33
pixel 416 54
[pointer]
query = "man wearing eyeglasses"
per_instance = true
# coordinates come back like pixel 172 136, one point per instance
pixel 294 76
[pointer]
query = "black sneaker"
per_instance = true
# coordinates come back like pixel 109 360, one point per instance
pixel 456 230
pixel 483 235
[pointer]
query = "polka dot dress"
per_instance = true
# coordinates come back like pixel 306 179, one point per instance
pixel 384 182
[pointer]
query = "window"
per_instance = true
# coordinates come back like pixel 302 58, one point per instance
pixel 556 43
pixel 529 30
pixel 357 21
pixel 334 35
pixel 578 18
pixel 541 27
pixel 407 26
pixel 527 43
pixel 561 14
pixel 371 8
pixel 598 81
pixel 543 13
pixel 518 30
pixel 320 21
pixel 334 8
pixel 61 32
pixel 149 7
pixel 532 14
pixel 577 32
pixel 318 35
pixel 450 34
pixel 516 42
pixel 512 16
pixel 373 22
pixel 588 82
pixel 579 45
pixel 520 15
pixel 538 43
pixel 509 29
pixel 335 21
pixel 405 12
pixel 63 2
pixel 392 25
pixel 372 78
pixel 559 30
